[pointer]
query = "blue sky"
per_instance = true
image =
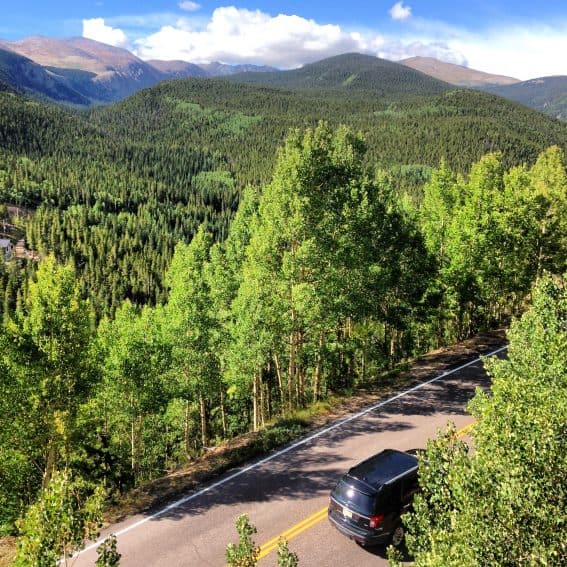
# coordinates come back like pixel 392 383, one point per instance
pixel 520 38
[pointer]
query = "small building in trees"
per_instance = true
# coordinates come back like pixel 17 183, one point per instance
pixel 6 248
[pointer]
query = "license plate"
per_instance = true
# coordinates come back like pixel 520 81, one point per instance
pixel 347 513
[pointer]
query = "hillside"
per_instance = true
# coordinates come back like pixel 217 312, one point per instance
pixel 546 94
pixel 456 74
pixel 350 72
pixel 125 182
pixel 115 205
pixel 326 281
pixel 97 71
pixel 25 76
pixel 246 123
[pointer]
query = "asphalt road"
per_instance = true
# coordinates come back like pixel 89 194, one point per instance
pixel 288 490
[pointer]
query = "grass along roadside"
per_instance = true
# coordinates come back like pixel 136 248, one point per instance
pixel 247 447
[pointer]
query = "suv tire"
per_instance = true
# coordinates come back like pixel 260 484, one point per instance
pixel 397 537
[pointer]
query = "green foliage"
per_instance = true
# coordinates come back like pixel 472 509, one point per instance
pixel 504 504
pixel 328 249
pixel 493 234
pixel 245 553
pixel 108 555
pixel 116 188
pixel 49 372
pixel 16 474
pixel 192 325
pixel 326 277
pixel 136 354
pixel 59 523
pixel 116 207
pixel 286 558
pixel 278 435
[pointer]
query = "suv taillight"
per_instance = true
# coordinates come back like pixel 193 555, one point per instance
pixel 375 520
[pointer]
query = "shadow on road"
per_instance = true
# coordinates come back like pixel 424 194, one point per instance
pixel 313 468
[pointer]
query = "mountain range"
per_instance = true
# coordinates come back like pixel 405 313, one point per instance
pixel 82 72
pixel 546 94
pixel 351 72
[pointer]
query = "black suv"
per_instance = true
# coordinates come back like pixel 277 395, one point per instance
pixel 368 501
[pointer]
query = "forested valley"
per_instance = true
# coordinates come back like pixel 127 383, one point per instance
pixel 201 261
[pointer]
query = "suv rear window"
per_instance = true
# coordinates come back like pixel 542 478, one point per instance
pixel 353 499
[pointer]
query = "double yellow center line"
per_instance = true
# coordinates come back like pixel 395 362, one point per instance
pixel 309 522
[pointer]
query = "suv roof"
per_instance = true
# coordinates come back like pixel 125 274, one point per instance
pixel 383 468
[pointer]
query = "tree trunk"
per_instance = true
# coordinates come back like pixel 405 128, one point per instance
pixel 392 346
pixel 223 413
pixel 203 413
pixel 300 371
pixel 291 370
pixel 280 383
pixel 135 441
pixel 186 431
pixel 133 446
pixel 269 402
pixel 318 368
pixel 262 401
pixel 255 401
pixel 49 462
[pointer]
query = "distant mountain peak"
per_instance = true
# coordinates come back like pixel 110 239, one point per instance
pixel 458 75
pixel 352 72
pixel 177 69
pixel 99 72
pixel 218 69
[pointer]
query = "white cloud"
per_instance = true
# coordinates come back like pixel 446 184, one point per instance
pixel 521 52
pixel 397 50
pixel 400 12
pixel 246 36
pixel 234 35
pixel 96 29
pixel 189 6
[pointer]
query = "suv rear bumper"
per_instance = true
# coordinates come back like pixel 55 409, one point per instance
pixel 362 537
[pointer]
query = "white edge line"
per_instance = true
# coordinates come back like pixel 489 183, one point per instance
pixel 236 474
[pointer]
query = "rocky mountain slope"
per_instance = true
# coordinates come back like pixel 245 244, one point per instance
pixel 20 74
pixel 82 71
pixel 456 74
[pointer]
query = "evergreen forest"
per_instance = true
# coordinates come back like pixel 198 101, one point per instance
pixel 205 257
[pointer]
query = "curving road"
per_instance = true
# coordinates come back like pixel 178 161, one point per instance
pixel 288 491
